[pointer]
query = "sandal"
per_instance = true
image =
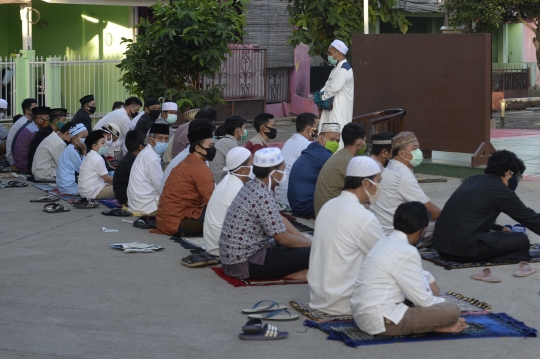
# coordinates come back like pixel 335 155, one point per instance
pixel 194 260
pixel 49 198
pixel 55 208
pixel 280 314
pixel 16 184
pixel 485 276
pixel 117 213
pixel 269 306
pixel 146 222
pixel 80 200
pixel 91 203
pixel 255 329
pixel 210 259
pixel 524 270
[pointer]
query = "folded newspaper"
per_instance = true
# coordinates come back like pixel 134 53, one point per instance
pixel 136 247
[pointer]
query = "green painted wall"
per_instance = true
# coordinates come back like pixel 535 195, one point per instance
pixel 10 29
pixel 515 43
pixel 495 47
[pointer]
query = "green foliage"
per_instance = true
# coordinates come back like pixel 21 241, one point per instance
pixel 187 41
pixel 319 22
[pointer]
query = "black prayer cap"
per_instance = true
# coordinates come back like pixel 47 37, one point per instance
pixel 160 128
pixel 86 99
pixel 93 137
pixel 151 101
pixel 382 139
pixel 41 110
pixel 199 135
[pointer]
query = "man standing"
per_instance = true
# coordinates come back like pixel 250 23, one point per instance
pixel 22 146
pixel 27 106
pixel 307 125
pixel 399 185
pixel 152 110
pixel 339 87
pixel 236 131
pixel 88 107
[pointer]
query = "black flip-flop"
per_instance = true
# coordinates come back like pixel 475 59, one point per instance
pixel 91 203
pixel 145 222
pixel 55 208
pixel 117 212
pixel 256 329
pixel 49 198
pixel 14 184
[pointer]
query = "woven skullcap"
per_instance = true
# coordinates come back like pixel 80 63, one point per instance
pixel 403 139
pixel 78 128
pixel 340 46
pixel 58 112
pixel 190 115
pixel 268 157
pixel 111 128
pixel 3 103
pixel 235 158
pixel 362 166
pixel 382 139
pixel 169 106
pixel 86 99
pixel 330 127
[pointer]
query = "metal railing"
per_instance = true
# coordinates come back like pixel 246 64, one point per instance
pixel 277 84
pixel 7 86
pixel 510 77
pixel 391 120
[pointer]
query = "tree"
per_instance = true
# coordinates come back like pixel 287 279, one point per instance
pixel 480 16
pixel 184 44
pixel 318 22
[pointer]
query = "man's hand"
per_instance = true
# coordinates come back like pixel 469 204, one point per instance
pixel 435 289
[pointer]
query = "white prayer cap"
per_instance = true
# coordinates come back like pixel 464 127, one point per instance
pixel 268 157
pixel 330 127
pixel 111 128
pixel 340 46
pixel 169 106
pixel 78 128
pixel 3 103
pixel 235 158
pixel 362 166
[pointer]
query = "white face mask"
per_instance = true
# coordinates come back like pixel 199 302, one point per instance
pixel 251 175
pixel 109 142
pixel 2 114
pixel 373 197
pixel 270 178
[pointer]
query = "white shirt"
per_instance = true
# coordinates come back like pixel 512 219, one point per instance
pixel 340 86
pixel 391 272
pixel 12 132
pixel 47 157
pixel 133 122
pixel 144 186
pixel 291 151
pixel 122 120
pixel 344 233
pixel 220 201
pixel 90 181
pixel 175 162
pixel 398 185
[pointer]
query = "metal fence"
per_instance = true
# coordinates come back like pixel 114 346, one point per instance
pixel 277 84
pixel 7 81
pixel 510 77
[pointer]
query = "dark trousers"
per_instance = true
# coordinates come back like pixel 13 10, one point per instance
pixel 191 227
pixel 505 247
pixel 280 262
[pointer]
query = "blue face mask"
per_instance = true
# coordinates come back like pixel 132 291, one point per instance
pixel 102 151
pixel 161 147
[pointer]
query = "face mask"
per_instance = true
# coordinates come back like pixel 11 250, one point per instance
pixel 512 182
pixel 160 147
pixel 332 146
pixel 251 175
pixel 373 197
pixel 2 115
pixel 315 135
pixel 417 157
pixel 154 114
pixel 109 142
pixel 272 134
pixel 102 151
pixel 134 114
pixel 270 178
pixel 361 152
pixel 244 136
pixel 92 109
pixel 171 119
pixel 210 153
pixel 60 125
pixel 332 61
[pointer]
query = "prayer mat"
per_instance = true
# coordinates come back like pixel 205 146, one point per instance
pixel 190 242
pixel 51 188
pixel 465 304
pixel 8 175
pixel 254 282
pixel 432 256
pixel 110 203
pixel 490 325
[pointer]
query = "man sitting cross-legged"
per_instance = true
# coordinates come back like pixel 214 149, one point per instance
pixel 239 164
pixel 94 179
pixel 345 231
pixel 48 154
pixel 392 273
pixel 144 186
pixel 67 172
pixel 186 193
pixel 252 218
pixel 135 144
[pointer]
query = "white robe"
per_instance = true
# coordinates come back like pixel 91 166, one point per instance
pixel 340 86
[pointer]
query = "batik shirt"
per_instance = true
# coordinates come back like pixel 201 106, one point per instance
pixel 251 220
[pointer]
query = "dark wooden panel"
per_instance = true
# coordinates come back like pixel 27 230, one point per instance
pixel 442 81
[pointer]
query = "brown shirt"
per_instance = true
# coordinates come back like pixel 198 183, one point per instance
pixel 331 178
pixel 185 195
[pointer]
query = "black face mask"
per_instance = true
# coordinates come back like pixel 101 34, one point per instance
pixel 314 135
pixel 210 153
pixel 513 182
pixel 272 134
pixel 92 109
pixel 154 114
pixel 134 114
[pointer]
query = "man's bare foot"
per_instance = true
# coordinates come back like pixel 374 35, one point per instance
pixel 302 275
pixel 454 328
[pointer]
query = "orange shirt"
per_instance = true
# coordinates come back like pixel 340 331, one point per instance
pixel 185 194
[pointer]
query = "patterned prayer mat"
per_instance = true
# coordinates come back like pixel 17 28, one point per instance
pixel 466 304
pixel 432 256
pixel 254 282
pixel 490 325
pixel 190 242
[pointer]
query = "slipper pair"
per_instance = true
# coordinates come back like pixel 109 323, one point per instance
pixel 525 269
pixel 256 329
pixel 518 227
pixel 16 184
pixel 269 310
pixel 55 208
pixel 86 203
pixel 199 259
pixel 117 212
pixel 145 222
pixel 46 199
